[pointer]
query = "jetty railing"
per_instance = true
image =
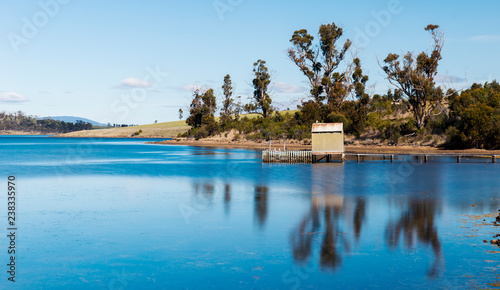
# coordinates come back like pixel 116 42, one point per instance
pixel 279 156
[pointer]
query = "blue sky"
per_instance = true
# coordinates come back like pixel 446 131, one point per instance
pixel 138 61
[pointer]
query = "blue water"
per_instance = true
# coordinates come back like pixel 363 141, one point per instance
pixel 122 214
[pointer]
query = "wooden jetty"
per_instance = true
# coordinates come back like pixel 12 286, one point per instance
pixel 279 156
pixel 328 146
pixel 286 156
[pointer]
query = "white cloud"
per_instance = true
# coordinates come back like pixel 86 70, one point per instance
pixel 192 88
pixel 10 97
pixel 282 87
pixel 448 79
pixel 486 38
pixel 135 83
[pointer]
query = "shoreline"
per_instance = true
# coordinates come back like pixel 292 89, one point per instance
pixel 109 137
pixel 278 145
pixel 360 149
pixel 21 133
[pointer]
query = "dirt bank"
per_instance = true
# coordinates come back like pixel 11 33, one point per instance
pixel 8 132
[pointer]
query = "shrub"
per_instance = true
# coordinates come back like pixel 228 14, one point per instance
pixel 475 116
pixel 408 127
pixel 392 133
pixel 255 137
pixel 200 133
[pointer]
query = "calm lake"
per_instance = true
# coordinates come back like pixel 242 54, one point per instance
pixel 122 214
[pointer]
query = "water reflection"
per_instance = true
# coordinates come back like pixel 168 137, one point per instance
pixel 334 226
pixel 203 195
pixel 260 205
pixel 227 198
pixel 359 216
pixel 334 223
pixel 241 223
pixel 417 223
pixel 321 228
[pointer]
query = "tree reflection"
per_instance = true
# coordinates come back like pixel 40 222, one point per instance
pixel 320 228
pixel 227 198
pixel 417 222
pixel 260 205
pixel 329 258
pixel 359 216
pixel 203 195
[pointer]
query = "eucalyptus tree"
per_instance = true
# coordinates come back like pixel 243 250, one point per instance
pixel 195 110
pixel 319 63
pixel 228 108
pixel 413 76
pixel 202 109
pixel 209 107
pixel 357 110
pixel 262 102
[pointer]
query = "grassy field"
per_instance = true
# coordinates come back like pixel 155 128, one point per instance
pixel 166 129
pixel 253 116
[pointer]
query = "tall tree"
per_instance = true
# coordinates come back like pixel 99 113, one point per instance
pixel 228 105
pixel 195 111
pixel 359 82
pixel 336 84
pixel 357 110
pixel 202 109
pixel 319 64
pixel 262 100
pixel 306 57
pixel 209 107
pixel 414 77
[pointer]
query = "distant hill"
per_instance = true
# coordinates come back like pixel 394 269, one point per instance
pixel 71 119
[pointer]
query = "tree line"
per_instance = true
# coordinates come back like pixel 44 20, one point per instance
pixel 20 122
pixel 414 109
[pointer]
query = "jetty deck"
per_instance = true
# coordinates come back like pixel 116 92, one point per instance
pixel 304 156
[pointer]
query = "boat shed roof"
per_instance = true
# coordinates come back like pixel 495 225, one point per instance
pixel 327 127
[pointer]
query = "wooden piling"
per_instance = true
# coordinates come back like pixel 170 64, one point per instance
pixel 494 159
